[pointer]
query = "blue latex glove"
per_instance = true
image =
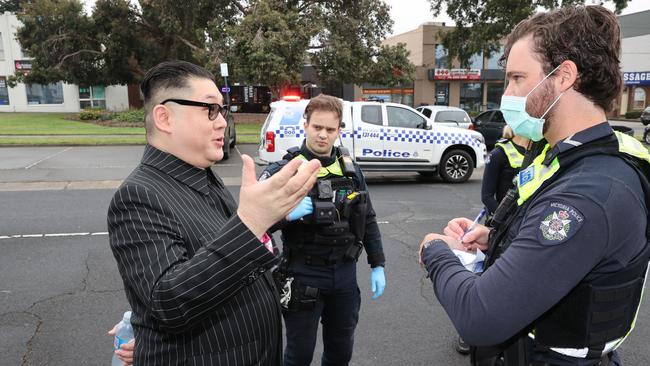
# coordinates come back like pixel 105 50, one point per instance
pixel 305 207
pixel 377 282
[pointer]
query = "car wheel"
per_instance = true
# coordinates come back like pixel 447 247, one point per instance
pixel 646 138
pixel 456 166
pixel 226 149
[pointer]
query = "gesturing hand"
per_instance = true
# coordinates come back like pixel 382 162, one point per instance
pixel 263 203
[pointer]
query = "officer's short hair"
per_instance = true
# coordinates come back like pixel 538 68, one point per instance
pixel 589 36
pixel 324 103
pixel 165 79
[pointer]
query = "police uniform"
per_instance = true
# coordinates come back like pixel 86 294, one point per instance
pixel 579 227
pixel 501 166
pixel 320 260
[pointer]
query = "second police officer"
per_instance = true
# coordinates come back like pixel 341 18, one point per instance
pixel 322 239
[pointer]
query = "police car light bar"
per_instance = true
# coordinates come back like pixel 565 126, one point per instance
pixel 291 98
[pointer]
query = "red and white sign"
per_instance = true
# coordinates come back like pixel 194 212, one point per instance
pixel 457 74
pixel 23 65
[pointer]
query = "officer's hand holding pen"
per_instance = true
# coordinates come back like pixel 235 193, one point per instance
pixel 477 238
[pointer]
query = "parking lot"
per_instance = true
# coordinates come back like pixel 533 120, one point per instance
pixel 60 291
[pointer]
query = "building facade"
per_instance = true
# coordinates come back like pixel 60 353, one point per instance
pixel 635 62
pixel 56 97
pixel 476 86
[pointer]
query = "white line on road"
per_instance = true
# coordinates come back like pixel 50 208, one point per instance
pixel 54 235
pixel 383 222
pixel 48 157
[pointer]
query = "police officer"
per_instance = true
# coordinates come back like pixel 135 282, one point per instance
pixel 501 166
pixel 567 260
pixel 322 239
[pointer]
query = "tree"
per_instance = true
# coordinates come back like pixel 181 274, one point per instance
pixel 12 6
pixel 392 67
pixel 264 41
pixel 480 24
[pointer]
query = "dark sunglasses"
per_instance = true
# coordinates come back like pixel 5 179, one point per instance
pixel 214 109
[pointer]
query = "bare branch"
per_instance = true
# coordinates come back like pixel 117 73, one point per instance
pixel 60 64
pixel 239 6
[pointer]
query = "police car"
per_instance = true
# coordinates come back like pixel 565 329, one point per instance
pixel 382 137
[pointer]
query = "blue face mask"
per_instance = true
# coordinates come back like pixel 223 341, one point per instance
pixel 522 124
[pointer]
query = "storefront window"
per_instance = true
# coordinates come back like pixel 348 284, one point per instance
pixel 471 96
pixel 44 94
pixel 2 50
pixel 92 97
pixel 442 59
pixel 493 61
pixel 475 62
pixel 494 93
pixel 4 92
pixel 442 94
pixel 639 98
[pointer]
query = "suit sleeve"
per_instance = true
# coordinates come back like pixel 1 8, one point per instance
pixel 491 176
pixel 177 287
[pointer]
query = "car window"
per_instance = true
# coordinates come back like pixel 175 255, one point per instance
pixel 292 114
pixel 371 114
pixel 482 118
pixel 426 112
pixel 400 117
pixel 498 117
pixel 452 116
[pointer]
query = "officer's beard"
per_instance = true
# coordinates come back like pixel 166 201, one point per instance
pixel 538 103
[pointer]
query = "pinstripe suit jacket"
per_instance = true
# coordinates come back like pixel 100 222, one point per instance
pixel 197 279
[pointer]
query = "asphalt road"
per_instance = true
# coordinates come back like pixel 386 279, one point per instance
pixel 60 291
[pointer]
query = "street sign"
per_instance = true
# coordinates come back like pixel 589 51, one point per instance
pixel 225 89
pixel 224 69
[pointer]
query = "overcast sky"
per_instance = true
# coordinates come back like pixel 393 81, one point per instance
pixel 408 15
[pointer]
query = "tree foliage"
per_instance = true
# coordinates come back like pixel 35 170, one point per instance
pixel 264 42
pixel 480 24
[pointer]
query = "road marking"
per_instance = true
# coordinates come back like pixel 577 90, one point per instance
pixel 52 235
pixel 383 222
pixel 47 157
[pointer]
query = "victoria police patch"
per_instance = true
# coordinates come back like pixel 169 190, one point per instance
pixel 559 223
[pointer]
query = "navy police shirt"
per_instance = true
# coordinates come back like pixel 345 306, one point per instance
pixel 590 222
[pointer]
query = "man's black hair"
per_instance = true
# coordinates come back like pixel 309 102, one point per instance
pixel 170 75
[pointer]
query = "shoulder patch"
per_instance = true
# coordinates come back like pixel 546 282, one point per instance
pixel 559 223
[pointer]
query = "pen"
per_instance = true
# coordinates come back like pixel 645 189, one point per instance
pixel 476 220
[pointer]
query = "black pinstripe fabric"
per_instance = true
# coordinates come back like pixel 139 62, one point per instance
pixel 197 279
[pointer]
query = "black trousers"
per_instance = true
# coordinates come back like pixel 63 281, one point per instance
pixel 337 309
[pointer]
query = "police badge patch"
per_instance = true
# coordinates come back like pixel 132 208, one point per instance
pixel 560 222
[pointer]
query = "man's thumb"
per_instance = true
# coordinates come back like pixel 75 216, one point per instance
pixel 248 171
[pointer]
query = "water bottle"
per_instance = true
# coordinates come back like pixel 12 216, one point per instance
pixel 123 335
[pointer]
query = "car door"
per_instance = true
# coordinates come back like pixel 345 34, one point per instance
pixel 407 138
pixel 368 131
pixel 494 128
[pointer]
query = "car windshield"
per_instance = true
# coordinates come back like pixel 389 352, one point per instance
pixel 452 116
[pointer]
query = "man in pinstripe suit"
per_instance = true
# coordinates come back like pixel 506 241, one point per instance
pixel 195 266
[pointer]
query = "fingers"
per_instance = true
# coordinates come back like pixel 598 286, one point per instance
pixel 248 176
pixel 113 330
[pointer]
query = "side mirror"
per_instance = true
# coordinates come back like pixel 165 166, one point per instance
pixel 342 124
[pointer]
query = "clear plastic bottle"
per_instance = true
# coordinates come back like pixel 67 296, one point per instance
pixel 123 335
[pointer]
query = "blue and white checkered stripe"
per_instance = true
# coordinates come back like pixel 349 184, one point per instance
pixel 299 133
pixel 402 135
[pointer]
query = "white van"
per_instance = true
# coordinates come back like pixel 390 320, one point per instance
pixel 382 137
pixel 446 116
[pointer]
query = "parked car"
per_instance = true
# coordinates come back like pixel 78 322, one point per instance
pixel 645 116
pixel 646 135
pixel 490 124
pixel 381 137
pixel 231 135
pixel 446 116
